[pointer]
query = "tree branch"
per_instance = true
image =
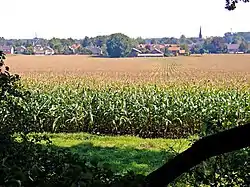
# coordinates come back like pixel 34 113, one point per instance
pixel 231 4
pixel 214 145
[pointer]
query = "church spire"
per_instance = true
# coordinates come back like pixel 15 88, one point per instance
pixel 200 34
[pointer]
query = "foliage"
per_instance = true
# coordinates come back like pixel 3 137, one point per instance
pixel 140 40
pixel 86 42
pixel 231 4
pixel 57 45
pixel 230 169
pixel 184 47
pixel 119 45
pixel 146 111
pixel 215 45
pixel 26 163
pixel 167 53
pixel 243 47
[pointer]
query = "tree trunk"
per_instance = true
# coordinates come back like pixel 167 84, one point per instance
pixel 207 147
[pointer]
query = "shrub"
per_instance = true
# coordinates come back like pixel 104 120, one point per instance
pixel 31 160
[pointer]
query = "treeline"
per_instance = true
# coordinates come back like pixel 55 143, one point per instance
pixel 120 45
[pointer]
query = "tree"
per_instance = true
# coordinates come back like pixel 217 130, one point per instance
pixel 231 4
pixel 140 40
pixel 86 41
pixel 153 41
pixel 196 49
pixel 183 39
pixel 104 50
pixel 215 45
pixel 202 51
pixel 243 47
pixel 100 41
pixel 213 145
pixel 119 45
pixel 30 50
pixel 56 44
pixel 184 47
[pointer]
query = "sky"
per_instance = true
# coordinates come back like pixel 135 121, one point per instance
pixel 145 18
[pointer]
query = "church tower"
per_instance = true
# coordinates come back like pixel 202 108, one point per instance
pixel 200 34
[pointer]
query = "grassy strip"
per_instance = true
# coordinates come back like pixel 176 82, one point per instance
pixel 122 153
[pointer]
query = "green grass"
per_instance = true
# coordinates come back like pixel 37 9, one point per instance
pixel 122 153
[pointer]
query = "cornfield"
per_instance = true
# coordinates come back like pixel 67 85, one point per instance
pixel 170 100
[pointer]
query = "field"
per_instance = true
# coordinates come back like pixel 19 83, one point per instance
pixel 101 108
pixel 196 68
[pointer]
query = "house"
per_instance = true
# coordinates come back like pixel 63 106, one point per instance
pixel 174 49
pixel 156 51
pixel 233 48
pixel 134 52
pixel 49 51
pixel 40 50
pixel 95 50
pixel 7 49
pixel 151 55
pixel 182 52
pixel 74 47
pixel 21 50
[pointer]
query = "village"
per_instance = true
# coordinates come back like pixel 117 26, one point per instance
pixel 231 43
pixel 142 50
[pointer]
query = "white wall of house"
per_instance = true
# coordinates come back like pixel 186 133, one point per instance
pixel 12 50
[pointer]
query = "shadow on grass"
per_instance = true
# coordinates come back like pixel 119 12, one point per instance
pixel 141 161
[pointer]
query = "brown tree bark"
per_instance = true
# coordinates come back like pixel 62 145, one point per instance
pixel 207 147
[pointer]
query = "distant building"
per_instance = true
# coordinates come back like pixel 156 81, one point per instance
pixel 74 47
pixel 95 50
pixel 151 55
pixel 200 34
pixel 21 50
pixel 233 48
pixel 134 52
pixel 40 50
pixel 157 51
pixel 182 52
pixel 7 49
pixel 154 53
pixel 174 49
pixel 49 51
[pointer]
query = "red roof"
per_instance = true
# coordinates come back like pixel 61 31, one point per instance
pixel 76 46
pixel 174 48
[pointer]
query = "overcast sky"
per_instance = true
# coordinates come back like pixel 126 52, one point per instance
pixel 146 18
